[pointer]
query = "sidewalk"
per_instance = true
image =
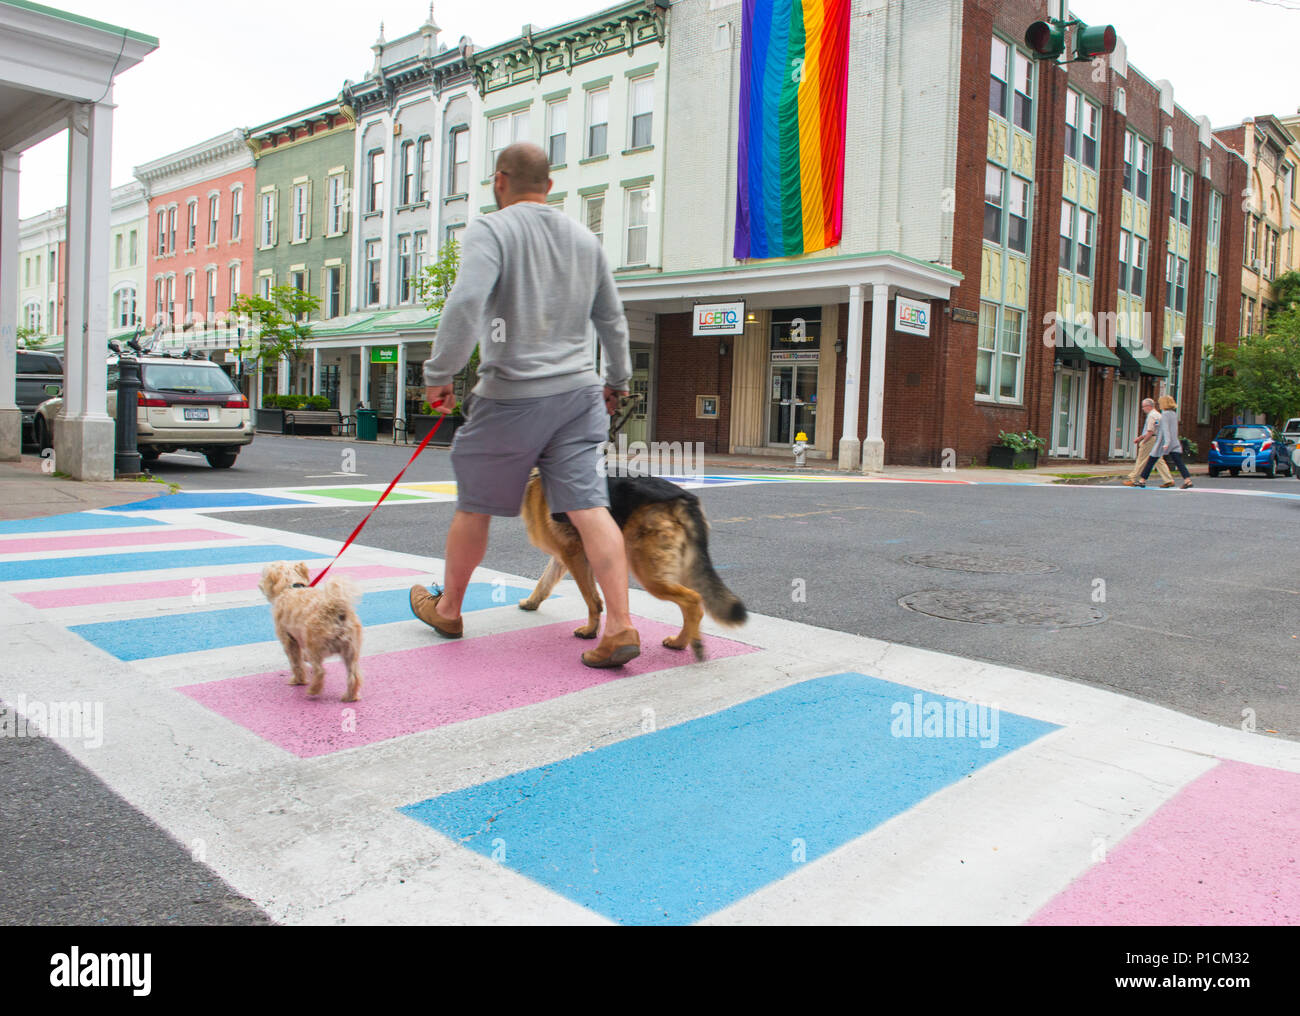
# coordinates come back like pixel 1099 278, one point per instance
pixel 28 492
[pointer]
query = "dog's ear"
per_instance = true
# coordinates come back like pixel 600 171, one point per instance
pixel 301 569
pixel 272 579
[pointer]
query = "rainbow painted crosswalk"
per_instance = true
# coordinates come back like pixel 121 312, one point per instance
pixel 797 775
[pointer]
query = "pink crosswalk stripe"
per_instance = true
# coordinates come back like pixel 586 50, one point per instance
pixel 96 541
pixel 1224 850
pixel 445 682
pixel 86 596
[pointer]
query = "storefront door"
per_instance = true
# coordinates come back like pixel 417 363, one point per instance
pixel 1068 407
pixel 792 403
pixel 1123 424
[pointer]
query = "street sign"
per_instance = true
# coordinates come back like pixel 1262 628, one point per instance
pixel 383 354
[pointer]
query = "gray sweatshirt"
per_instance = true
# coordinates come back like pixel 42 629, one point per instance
pixel 532 282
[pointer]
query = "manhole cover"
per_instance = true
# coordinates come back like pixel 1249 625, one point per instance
pixel 985 607
pixel 987 564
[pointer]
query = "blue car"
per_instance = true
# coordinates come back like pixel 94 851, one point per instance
pixel 1251 448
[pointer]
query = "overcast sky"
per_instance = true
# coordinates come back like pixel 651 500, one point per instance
pixel 240 63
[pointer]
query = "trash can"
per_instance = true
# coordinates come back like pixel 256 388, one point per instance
pixel 367 425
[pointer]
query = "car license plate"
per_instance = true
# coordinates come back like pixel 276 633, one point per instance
pixel 196 414
pixel 1238 449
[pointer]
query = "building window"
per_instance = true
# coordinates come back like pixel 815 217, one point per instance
pixel 162 233
pixel 421 243
pixel 557 128
pixel 403 269
pixel 212 293
pixel 171 300
pixel 1175 283
pixel 407 195
pixel 993 176
pixel 505 130
pixel 214 215
pixel 638 226
pixel 999 76
pixel 1024 102
pixel 1137 282
pixel 301 212
pixel 426 163
pixel 1137 166
pixel 133 247
pixel 236 213
pixel 267 226
pixel 460 161
pixel 299 281
pixel 1180 192
pixel 454 234
pixel 32 315
pixel 1216 218
pixel 234 286
pixel 124 307
pixel 597 122
pixel 1000 353
pixel 1067 241
pixel 335 195
pixel 157 298
pixel 1083 262
pixel 189 297
pixel 1211 299
pixel 117 250
pixel 642 114
pixel 264 284
pixel 593 215
pixel 372 273
pixel 375 181
pixel 1081 129
pixel 333 291
pixel 192 232
pixel 1018 215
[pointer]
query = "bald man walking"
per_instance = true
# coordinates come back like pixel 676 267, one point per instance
pixel 532 282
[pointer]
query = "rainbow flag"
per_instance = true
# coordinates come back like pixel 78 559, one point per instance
pixel 794 61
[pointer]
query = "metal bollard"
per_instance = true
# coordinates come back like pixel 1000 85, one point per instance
pixel 127 458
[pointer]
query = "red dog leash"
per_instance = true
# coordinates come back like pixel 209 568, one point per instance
pixel 423 444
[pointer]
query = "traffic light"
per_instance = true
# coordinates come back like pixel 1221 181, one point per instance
pixel 1046 39
pixel 1092 41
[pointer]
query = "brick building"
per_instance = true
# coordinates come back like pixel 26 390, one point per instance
pixel 1063 228
pixel 201 231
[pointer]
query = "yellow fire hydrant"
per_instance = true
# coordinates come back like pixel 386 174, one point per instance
pixel 801 449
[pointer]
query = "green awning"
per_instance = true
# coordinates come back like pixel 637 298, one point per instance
pixel 1136 358
pixel 1078 344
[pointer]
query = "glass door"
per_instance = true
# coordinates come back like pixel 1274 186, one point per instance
pixel 1123 425
pixel 792 402
pixel 1067 414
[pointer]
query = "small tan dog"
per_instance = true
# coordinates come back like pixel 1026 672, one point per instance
pixel 314 623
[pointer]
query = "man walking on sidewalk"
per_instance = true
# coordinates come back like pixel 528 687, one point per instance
pixel 531 283
pixel 1145 441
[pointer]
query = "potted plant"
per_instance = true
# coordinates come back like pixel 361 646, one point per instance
pixel 424 423
pixel 1016 451
pixel 270 418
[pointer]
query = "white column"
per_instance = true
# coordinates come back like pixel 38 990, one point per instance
pixel 399 398
pixel 84 433
pixel 363 390
pixel 11 417
pixel 282 376
pixel 873 448
pixel 850 449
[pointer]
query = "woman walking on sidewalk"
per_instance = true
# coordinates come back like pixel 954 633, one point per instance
pixel 1168 445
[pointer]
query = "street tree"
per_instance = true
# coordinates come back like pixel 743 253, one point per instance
pixel 30 338
pixel 1261 374
pixel 281 326
pixel 1286 290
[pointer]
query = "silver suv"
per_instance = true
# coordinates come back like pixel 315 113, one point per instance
pixel 183 404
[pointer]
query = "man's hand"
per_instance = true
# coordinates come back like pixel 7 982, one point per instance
pixel 612 399
pixel 442 399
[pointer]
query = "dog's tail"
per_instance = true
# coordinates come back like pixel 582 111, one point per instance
pixel 723 605
pixel 341 591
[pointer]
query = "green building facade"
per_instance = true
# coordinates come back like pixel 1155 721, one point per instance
pixel 301 216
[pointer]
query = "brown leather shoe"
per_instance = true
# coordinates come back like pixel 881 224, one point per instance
pixel 424 605
pixel 1130 483
pixel 1170 483
pixel 614 650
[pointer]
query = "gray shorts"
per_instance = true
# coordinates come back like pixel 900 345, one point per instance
pixel 503 439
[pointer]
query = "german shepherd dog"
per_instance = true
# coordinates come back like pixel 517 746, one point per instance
pixel 667 550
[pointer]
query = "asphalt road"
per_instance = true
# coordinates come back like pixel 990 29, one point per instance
pixel 1196 588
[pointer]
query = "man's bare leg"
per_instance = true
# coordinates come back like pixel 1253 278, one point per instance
pixel 467 541
pixel 602 541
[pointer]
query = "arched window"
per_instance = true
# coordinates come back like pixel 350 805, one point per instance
pixel 124 307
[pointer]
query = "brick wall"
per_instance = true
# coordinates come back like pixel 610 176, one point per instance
pixel 687 366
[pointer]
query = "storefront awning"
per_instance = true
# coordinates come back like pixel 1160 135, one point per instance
pixel 1079 345
pixel 1136 358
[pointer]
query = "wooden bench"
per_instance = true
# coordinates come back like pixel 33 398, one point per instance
pixel 295 418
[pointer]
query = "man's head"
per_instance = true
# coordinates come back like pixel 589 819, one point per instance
pixel 523 173
pixel 1148 405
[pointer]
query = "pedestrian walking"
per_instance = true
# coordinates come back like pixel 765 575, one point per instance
pixel 532 282
pixel 1145 442
pixel 1168 444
